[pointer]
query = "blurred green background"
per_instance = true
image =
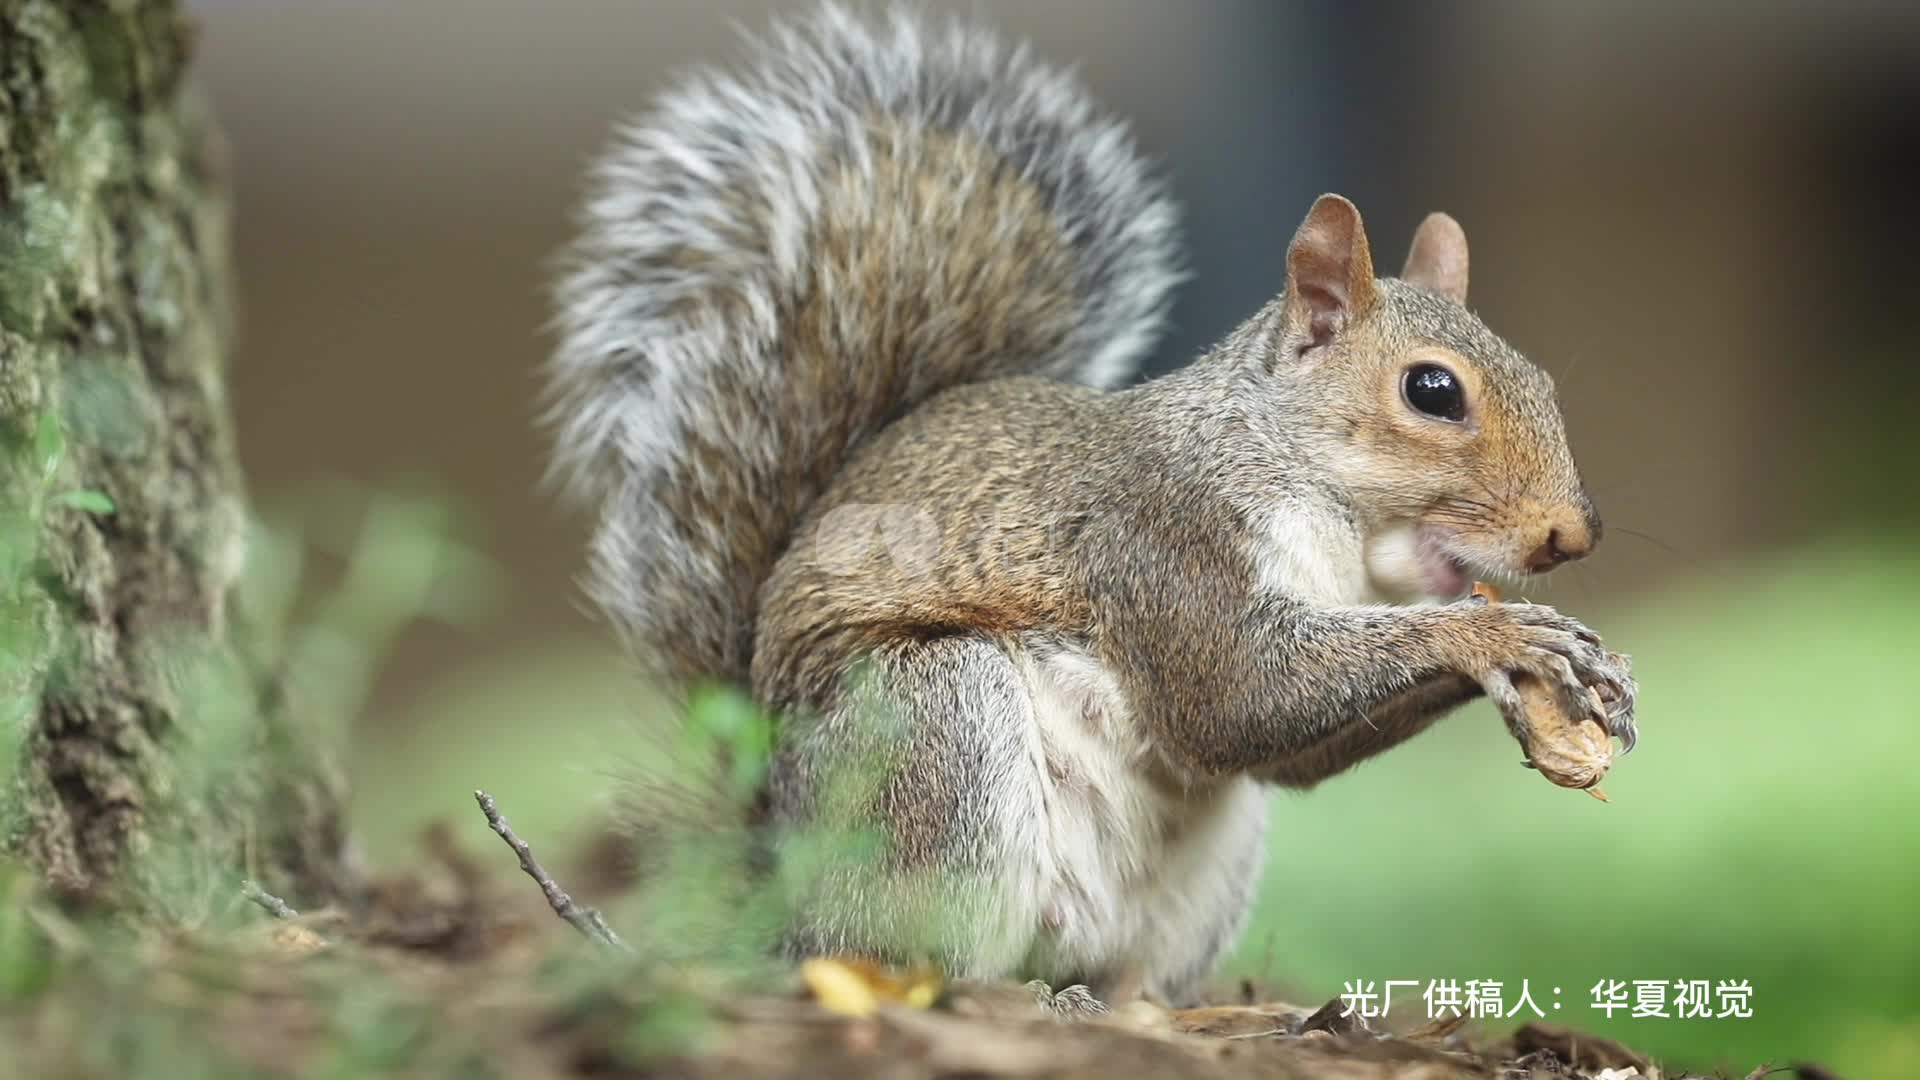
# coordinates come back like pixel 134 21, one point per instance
pixel 1701 220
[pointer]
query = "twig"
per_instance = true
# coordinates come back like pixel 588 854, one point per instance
pixel 1438 1029
pixel 275 906
pixel 587 920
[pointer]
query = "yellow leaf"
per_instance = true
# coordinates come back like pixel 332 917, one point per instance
pixel 855 986
pixel 838 988
pixel 923 988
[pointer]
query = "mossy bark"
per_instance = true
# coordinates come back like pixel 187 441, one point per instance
pixel 115 316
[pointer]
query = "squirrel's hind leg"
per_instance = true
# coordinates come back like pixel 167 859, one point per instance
pixel 923 768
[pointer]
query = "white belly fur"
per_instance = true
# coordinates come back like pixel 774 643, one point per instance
pixel 1127 870
pixel 1135 872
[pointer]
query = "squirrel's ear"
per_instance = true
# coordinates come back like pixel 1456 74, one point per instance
pixel 1438 258
pixel 1329 273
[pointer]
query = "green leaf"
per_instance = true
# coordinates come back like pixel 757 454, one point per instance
pixel 673 1024
pixel 722 712
pixel 49 445
pixel 92 502
pixel 26 956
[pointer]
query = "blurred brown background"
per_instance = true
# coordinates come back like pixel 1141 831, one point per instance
pixel 1700 220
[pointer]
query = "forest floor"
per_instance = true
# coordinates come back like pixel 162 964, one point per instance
pixel 459 970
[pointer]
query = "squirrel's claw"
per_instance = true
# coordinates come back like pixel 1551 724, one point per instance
pixel 1074 1002
pixel 1619 693
pixel 1620 718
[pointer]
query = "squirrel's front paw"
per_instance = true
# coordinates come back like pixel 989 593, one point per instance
pixel 1534 640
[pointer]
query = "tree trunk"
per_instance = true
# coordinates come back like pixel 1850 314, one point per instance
pixel 146 729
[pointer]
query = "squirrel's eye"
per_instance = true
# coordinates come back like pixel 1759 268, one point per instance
pixel 1435 391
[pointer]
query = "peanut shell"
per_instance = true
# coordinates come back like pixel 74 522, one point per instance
pixel 1573 752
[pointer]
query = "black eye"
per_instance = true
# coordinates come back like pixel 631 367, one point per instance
pixel 1434 390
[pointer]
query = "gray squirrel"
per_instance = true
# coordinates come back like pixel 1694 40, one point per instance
pixel 842 342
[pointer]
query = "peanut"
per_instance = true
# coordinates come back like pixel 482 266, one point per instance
pixel 1573 752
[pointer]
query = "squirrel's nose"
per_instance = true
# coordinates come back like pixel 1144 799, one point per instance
pixel 1564 543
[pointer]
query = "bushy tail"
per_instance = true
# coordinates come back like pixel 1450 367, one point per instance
pixel 774 266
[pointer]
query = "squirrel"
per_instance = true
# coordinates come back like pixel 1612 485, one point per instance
pixel 844 363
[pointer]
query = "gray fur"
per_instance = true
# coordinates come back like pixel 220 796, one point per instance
pixel 731 168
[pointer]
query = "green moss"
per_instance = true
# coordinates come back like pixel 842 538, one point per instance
pixel 27 956
pixel 42 240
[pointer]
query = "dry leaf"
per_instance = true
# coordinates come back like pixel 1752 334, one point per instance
pixel 296 940
pixel 1233 1021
